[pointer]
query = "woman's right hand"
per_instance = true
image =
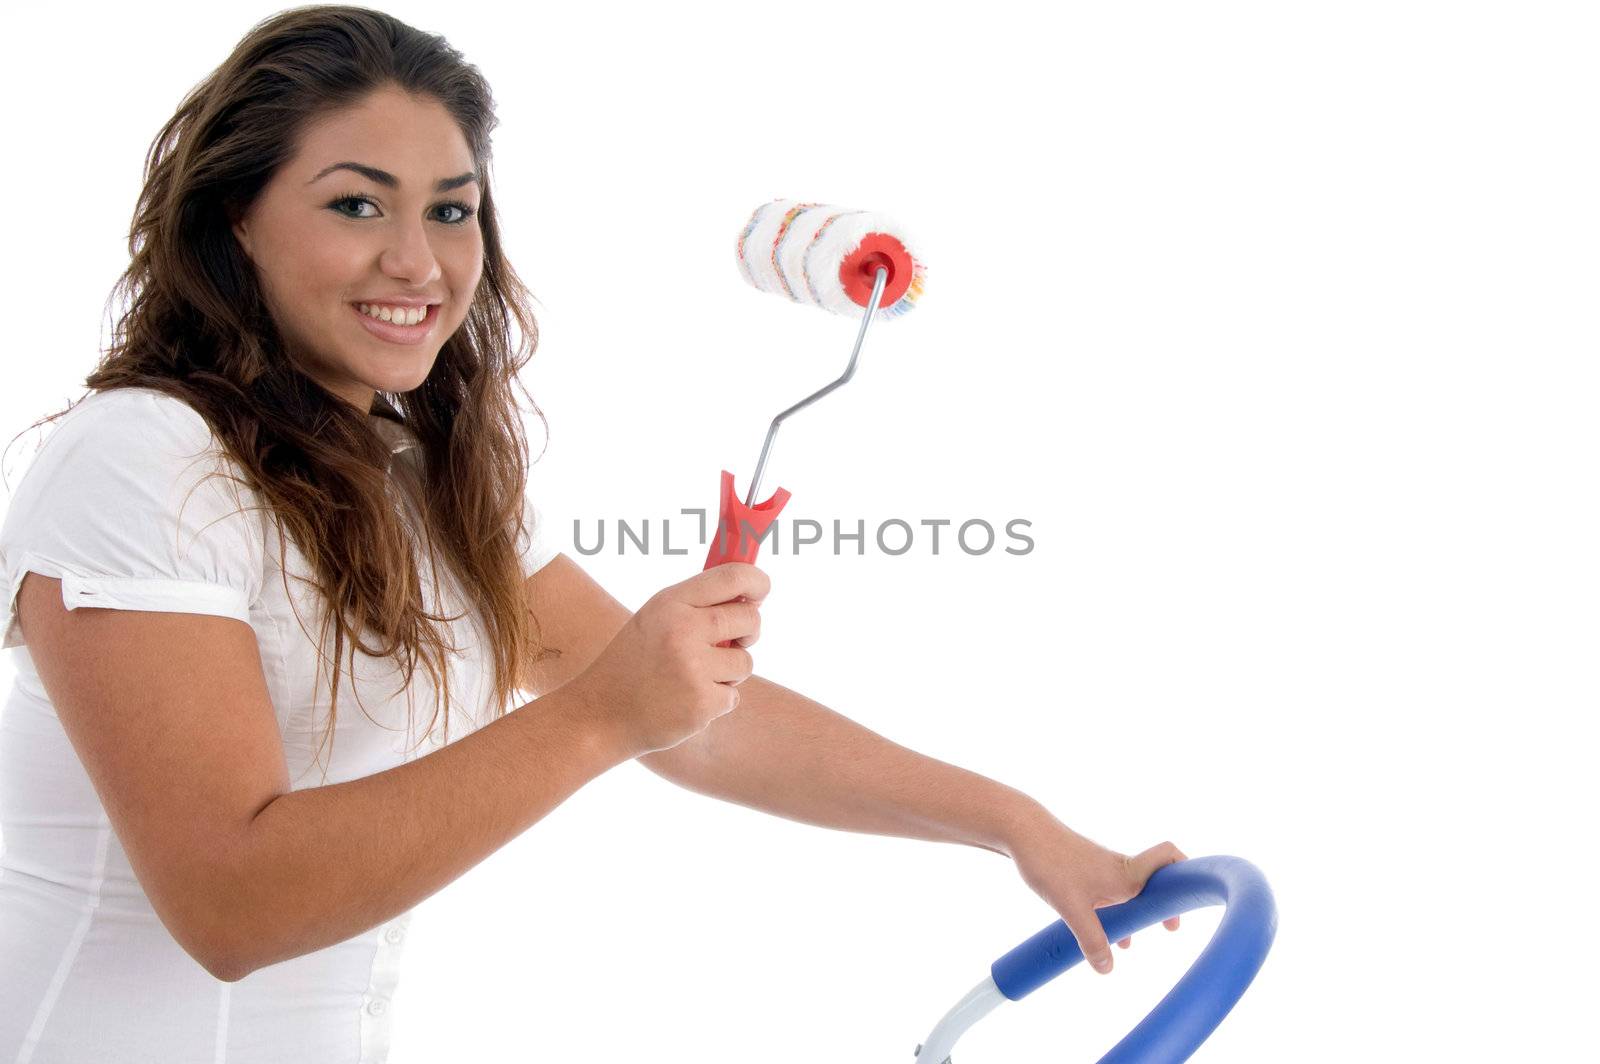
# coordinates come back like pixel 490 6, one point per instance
pixel 663 678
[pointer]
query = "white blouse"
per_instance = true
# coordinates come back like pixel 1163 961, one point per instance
pixel 117 505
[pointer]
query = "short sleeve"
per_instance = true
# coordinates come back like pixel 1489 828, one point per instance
pixel 536 546
pixel 129 502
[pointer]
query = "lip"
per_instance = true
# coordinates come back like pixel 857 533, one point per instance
pixel 399 334
pixel 400 301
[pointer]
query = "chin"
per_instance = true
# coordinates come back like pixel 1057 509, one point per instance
pixel 400 378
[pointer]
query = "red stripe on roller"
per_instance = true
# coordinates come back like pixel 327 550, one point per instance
pixel 859 270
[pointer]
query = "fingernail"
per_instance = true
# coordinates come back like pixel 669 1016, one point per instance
pixel 1102 965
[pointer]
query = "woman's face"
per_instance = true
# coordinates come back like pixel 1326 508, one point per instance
pixel 319 253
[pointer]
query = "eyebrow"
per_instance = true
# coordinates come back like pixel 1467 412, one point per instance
pixel 388 180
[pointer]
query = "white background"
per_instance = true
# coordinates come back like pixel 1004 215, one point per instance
pixel 1276 321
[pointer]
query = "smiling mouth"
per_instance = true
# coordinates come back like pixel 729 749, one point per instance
pixel 400 334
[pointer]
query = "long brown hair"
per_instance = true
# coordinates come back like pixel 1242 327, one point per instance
pixel 196 326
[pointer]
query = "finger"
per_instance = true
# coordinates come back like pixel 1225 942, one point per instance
pixel 1125 943
pixel 1145 864
pixel 732 621
pixel 1172 924
pixel 1091 936
pixel 724 582
pixel 733 699
pixel 729 621
pixel 754 637
pixel 732 665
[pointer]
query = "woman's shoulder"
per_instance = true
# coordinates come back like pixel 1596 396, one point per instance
pixel 130 489
pixel 127 428
pixel 116 442
pixel 151 409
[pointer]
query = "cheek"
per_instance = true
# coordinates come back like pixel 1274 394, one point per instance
pixel 463 258
pixel 315 263
pixel 463 270
pixel 331 263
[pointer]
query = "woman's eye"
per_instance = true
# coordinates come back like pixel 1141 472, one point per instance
pixel 463 211
pixel 336 204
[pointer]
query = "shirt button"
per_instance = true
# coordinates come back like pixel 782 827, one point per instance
pixel 394 935
pixel 378 1006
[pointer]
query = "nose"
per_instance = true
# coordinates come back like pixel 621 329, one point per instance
pixel 409 257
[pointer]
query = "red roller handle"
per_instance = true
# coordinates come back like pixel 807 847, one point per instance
pixel 740 528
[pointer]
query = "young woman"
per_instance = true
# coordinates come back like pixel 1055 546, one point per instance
pixel 303 443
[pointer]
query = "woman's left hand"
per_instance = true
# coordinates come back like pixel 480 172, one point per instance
pixel 1075 876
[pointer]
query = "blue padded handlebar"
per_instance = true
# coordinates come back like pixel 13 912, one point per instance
pixel 1194 1007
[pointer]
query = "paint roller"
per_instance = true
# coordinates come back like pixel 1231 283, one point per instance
pixel 850 262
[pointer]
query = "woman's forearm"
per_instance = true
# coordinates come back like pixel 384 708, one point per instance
pixel 324 864
pixel 785 754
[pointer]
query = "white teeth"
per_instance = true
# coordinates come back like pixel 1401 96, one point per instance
pixel 397 315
